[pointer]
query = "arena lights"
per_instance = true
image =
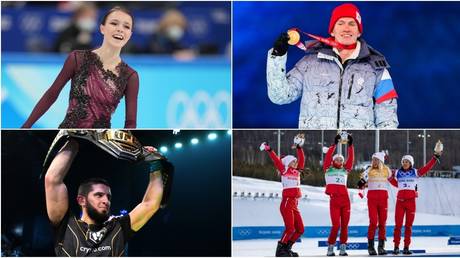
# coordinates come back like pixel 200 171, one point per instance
pixel 212 136
pixel 195 140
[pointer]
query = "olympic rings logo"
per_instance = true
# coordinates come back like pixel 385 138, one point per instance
pixel 198 111
pixel 323 232
pixel 244 232
pixel 353 246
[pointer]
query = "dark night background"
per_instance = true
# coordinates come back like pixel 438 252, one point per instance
pixel 195 223
pixel 418 39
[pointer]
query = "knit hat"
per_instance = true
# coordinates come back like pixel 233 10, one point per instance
pixel 287 160
pixel 380 156
pixel 346 10
pixel 409 158
pixel 338 156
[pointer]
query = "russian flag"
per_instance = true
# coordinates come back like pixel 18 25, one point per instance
pixel 385 89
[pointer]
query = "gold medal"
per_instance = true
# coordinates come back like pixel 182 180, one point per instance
pixel 294 37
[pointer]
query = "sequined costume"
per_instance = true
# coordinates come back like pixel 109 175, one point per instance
pixel 94 94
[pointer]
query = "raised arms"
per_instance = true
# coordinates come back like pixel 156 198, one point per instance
pixel 57 200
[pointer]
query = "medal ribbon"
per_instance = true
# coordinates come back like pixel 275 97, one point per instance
pixel 328 41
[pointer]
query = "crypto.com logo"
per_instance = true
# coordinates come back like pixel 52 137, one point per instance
pixel 198 111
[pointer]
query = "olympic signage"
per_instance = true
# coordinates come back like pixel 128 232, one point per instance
pixel 274 232
pixel 200 110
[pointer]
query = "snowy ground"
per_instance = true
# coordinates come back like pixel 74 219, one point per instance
pixel 438 204
pixel 309 247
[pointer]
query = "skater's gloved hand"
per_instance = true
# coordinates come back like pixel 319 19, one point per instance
pixel 265 147
pixel 350 139
pixel 337 139
pixel 299 140
pixel 361 183
pixel 281 45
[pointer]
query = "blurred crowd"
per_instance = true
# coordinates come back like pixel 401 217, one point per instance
pixel 166 37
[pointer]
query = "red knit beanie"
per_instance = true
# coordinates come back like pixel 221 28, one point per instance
pixel 346 10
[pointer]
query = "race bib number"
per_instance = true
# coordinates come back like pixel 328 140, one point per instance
pixel 336 178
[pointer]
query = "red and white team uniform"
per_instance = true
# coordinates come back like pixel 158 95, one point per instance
pixel 336 188
pixel 406 182
pixel 290 179
pixel 377 199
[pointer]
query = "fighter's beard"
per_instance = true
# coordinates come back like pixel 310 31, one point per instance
pixel 98 217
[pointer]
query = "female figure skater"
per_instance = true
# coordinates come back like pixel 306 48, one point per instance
pixel 99 79
pixel 336 174
pixel 289 168
pixel 377 178
pixel 405 179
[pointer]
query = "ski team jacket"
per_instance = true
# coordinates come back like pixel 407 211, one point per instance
pixel 377 182
pixel 406 180
pixel 290 177
pixel 336 178
pixel 359 95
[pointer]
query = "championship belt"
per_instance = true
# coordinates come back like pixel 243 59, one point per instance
pixel 121 144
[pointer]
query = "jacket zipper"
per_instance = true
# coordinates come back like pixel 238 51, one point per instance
pixel 340 97
pixel 351 86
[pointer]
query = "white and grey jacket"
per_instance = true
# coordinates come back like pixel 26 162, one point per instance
pixel 360 95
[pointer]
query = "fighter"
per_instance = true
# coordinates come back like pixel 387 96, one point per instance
pixel 95 232
pixel 290 169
